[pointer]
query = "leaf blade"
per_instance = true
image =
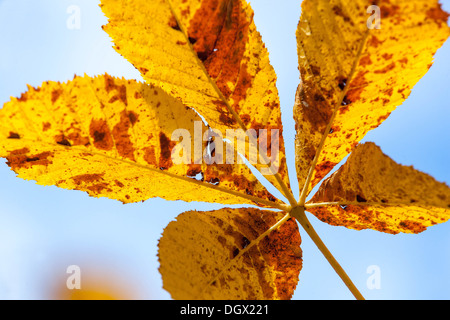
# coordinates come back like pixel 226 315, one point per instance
pixel 336 103
pixel 371 191
pixel 112 137
pixel 214 61
pixel 240 257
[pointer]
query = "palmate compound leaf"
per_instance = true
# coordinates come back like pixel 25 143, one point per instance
pixel 237 254
pixel 371 191
pixel 208 54
pixel 228 79
pixel 113 138
pixel 353 76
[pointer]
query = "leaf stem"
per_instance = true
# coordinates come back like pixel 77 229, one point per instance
pixel 299 214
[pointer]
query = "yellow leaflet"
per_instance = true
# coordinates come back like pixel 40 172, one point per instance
pixel 353 77
pixel 372 191
pixel 209 55
pixel 226 254
pixel 113 138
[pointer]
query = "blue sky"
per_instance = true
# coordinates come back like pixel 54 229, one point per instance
pixel 45 229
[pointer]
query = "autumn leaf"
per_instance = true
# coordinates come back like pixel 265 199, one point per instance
pixel 206 68
pixel 353 77
pixel 359 196
pixel 112 138
pixel 209 55
pixel 231 254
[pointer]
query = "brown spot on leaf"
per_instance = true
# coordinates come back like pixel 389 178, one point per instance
pixel 174 24
pixel 133 117
pixel 227 119
pixel 19 159
pixel 192 40
pixel 149 155
pixel 122 93
pixel 403 60
pixel 121 135
pixel 382 118
pixel 386 69
pixel 412 226
pixel 243 85
pixel 387 56
pixel 225 115
pixel 165 158
pixel 56 94
pixel 389 92
pixel 221 31
pixel 360 199
pixel 119 184
pixel 345 217
pixel 101 134
pixel 315 70
pixel 365 61
pixel 323 169
pixel 22 151
pixel 389 10
pixel 121 90
pixel 99 188
pixel 23 97
pixel 246 119
pixel 109 83
pixel 13 135
pixel 314 106
pixel 77 139
pixel 438 15
pixel 87 178
pixel 113 99
pixel 46 126
pixel 373 41
pixel 338 11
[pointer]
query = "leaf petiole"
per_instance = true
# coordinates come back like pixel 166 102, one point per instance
pixel 299 214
